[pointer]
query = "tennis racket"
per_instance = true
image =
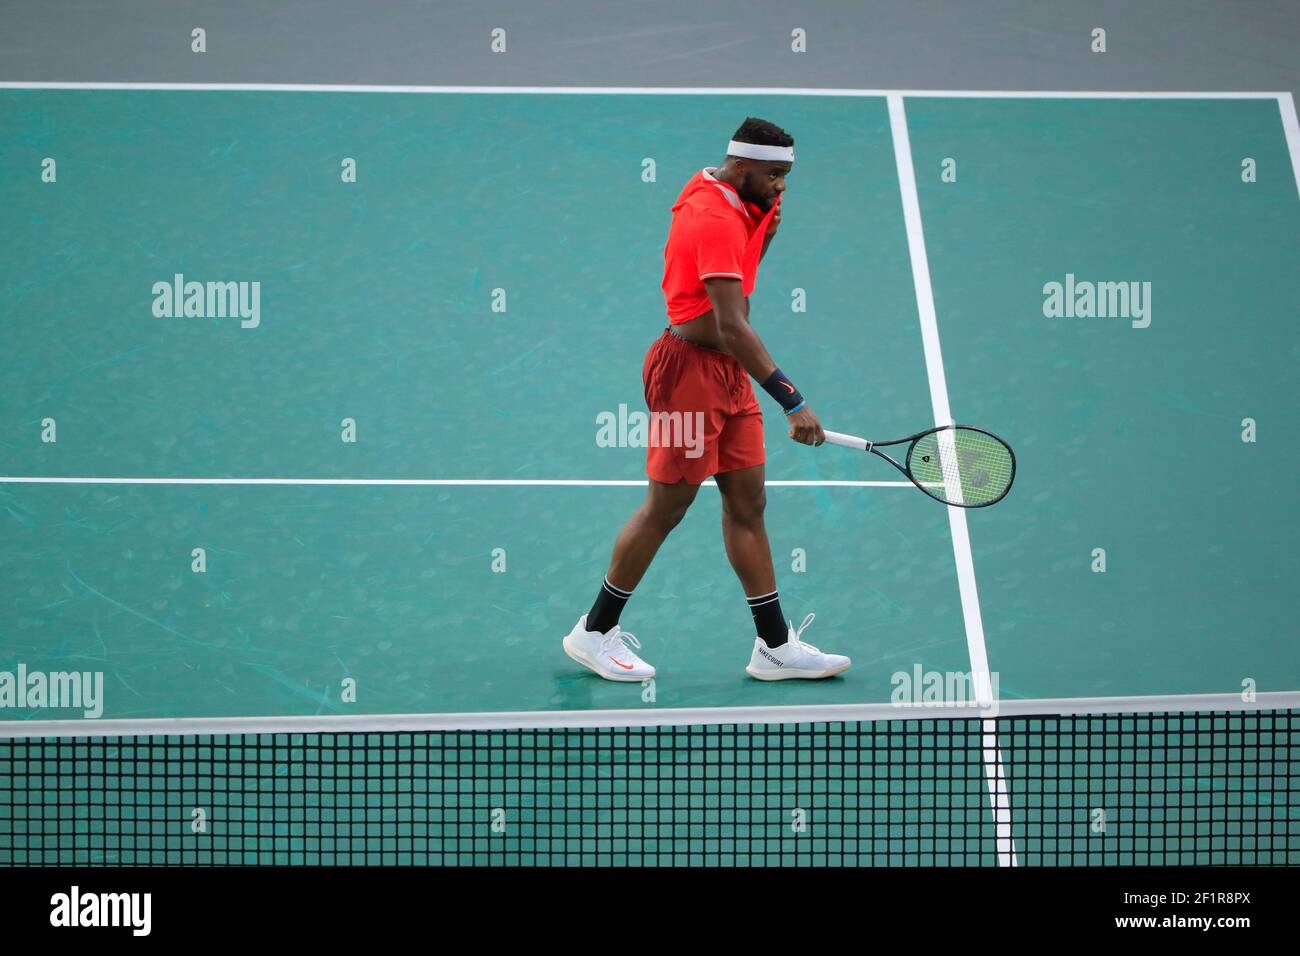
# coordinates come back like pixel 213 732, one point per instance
pixel 960 465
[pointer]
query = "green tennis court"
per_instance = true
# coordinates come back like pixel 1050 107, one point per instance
pixel 383 492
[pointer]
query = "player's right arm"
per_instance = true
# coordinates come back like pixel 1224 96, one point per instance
pixel 739 339
pixel 734 331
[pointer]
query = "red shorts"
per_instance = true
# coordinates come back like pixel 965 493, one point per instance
pixel 708 420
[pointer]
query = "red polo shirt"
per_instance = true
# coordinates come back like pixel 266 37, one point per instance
pixel 713 233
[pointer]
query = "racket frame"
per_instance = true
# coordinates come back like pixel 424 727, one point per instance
pixel 863 444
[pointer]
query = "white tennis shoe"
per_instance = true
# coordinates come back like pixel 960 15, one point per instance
pixel 794 659
pixel 609 655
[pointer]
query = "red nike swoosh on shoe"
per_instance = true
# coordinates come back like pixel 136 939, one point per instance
pixel 626 667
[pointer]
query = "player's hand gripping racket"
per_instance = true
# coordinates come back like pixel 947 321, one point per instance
pixel 957 464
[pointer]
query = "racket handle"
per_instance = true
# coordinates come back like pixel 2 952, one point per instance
pixel 848 441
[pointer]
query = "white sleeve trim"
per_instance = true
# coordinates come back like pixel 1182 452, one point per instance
pixel 729 275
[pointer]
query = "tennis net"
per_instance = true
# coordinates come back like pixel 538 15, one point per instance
pixel 1196 788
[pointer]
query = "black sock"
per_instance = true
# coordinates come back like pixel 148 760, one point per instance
pixel 609 605
pixel 766 609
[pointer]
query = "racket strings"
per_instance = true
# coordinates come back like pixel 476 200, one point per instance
pixel 962 466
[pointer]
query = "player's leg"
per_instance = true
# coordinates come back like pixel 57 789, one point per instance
pixel 596 641
pixel 679 381
pixel 638 541
pixel 744 499
pixel 635 547
pixel 778 652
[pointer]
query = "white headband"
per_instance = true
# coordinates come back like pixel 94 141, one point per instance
pixel 777 154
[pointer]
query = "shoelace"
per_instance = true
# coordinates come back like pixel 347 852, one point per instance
pixel 616 643
pixel 797 633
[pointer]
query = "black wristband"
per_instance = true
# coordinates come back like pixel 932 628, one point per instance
pixel 780 388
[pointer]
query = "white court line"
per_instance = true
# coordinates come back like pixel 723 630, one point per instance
pixel 646 716
pixel 651 90
pixel 524 482
pixel 970 602
pixel 1291 126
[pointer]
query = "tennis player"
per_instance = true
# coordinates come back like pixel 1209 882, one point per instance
pixel 723 221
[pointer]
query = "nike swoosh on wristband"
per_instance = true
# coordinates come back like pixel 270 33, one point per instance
pixel 789 386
